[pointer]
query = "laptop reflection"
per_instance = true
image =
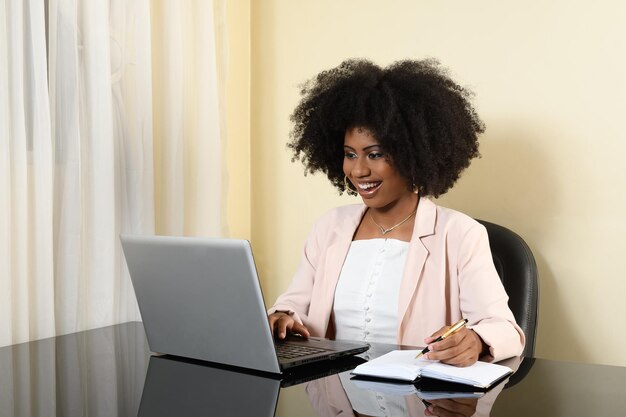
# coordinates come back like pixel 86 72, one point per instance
pixel 180 386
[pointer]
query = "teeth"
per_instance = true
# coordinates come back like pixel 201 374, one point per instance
pixel 368 185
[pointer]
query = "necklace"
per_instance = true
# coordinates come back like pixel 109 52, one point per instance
pixel 385 231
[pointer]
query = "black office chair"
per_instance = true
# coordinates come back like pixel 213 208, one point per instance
pixel 516 266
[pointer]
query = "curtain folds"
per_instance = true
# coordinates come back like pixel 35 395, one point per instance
pixel 26 172
pixel 188 149
pixel 114 128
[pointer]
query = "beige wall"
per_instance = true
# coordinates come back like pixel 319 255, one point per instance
pixel 549 79
pixel 236 43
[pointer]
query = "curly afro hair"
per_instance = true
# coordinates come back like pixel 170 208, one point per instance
pixel 423 120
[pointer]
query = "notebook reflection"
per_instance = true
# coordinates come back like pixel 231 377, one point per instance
pixel 344 394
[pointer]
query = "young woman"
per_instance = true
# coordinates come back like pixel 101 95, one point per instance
pixel 397 268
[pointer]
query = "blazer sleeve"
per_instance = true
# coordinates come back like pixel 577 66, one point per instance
pixel 296 300
pixel 483 299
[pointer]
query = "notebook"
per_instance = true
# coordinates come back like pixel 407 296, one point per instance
pixel 200 298
pixel 402 365
pixel 425 391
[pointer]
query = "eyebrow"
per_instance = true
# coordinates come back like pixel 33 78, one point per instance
pixel 376 145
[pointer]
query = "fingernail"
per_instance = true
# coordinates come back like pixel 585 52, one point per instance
pixel 282 335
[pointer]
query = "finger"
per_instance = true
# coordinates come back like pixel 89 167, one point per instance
pixel 300 329
pixel 435 335
pixel 464 352
pixel 451 341
pixel 456 406
pixel 442 403
pixel 448 343
pixel 272 320
pixel 460 339
pixel 283 323
pixel 459 358
pixel 439 411
pixel 304 331
pixel 450 350
pixel 453 355
pixel 464 403
pixel 467 358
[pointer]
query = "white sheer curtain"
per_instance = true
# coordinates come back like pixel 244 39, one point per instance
pixel 120 133
pixel 188 150
pixel 100 99
pixel 26 176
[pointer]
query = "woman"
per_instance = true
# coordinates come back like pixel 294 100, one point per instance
pixel 398 268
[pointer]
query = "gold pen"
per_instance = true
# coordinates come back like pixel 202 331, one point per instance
pixel 455 328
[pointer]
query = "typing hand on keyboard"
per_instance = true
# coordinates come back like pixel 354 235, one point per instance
pixel 282 323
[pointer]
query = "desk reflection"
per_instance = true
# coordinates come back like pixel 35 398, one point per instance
pixel 176 387
pixel 96 373
pixel 179 386
pixel 104 373
pixel 342 395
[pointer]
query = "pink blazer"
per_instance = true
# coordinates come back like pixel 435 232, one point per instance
pixel 449 274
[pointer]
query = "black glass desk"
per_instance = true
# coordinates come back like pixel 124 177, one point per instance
pixel 110 372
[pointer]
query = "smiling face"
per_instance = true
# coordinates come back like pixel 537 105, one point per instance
pixel 371 172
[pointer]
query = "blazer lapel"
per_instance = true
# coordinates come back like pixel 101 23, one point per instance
pixel 424 226
pixel 335 257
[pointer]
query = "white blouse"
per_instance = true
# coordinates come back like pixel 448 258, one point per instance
pixel 366 296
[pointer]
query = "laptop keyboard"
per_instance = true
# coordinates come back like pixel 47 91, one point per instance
pixel 287 351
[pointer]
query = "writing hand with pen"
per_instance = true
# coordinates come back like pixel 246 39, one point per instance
pixel 455 345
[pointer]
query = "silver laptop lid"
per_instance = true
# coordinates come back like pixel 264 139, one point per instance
pixel 200 298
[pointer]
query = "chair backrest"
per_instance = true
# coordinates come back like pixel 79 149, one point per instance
pixel 516 266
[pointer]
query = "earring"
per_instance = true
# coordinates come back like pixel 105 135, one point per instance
pixel 346 187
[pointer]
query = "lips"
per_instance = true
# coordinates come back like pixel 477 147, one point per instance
pixel 367 188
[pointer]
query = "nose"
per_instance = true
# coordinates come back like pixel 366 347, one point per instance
pixel 360 168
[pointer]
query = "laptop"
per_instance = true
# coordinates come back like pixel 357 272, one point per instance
pixel 200 298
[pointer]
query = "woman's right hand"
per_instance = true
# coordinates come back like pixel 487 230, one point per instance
pixel 452 407
pixel 281 323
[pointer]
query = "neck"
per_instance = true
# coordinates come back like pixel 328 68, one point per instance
pixel 393 213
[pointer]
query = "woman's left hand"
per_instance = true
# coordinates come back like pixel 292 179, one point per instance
pixel 460 349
